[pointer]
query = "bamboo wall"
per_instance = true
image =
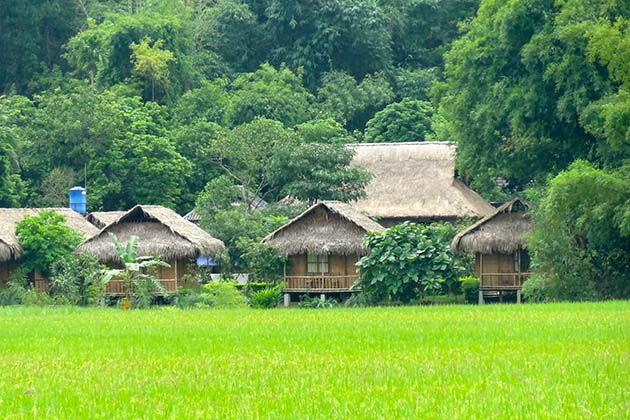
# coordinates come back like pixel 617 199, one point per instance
pixel 338 265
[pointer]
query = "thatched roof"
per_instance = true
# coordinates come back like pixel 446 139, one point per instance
pixel 192 216
pixel 10 248
pixel 328 227
pixel 416 181
pixel 100 219
pixel 161 232
pixel 504 231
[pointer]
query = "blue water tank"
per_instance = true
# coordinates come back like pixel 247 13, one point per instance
pixel 78 199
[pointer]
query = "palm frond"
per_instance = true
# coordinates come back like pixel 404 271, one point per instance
pixel 132 248
pixel 118 245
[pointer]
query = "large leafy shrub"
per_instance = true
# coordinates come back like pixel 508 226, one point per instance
pixel 406 262
pixel 470 288
pixel 536 290
pixel 266 298
pixel 16 289
pixel 76 280
pixel 221 295
pixel 45 239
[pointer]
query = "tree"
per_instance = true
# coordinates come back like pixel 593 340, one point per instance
pixel 245 153
pixel 135 274
pixel 320 36
pixel 269 93
pixel 55 187
pixel 195 143
pixel 151 62
pixel 317 171
pixel 340 97
pixel 10 181
pixel 326 131
pixel 208 103
pixel 103 52
pixel 581 242
pixel 31 37
pixel 45 239
pixel 139 168
pixel 227 29
pixel 406 262
pixel 519 82
pixel 407 120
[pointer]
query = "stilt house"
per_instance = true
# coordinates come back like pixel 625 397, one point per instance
pixel 323 245
pixel 10 249
pixel 161 233
pixel 499 242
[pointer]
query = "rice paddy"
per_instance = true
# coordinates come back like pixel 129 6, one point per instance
pixel 557 361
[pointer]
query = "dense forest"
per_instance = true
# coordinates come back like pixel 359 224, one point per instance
pixel 177 102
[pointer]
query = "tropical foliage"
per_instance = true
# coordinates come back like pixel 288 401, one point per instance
pixel 138 282
pixel 406 262
pixel 45 239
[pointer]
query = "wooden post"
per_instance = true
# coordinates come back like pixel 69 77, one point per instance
pixel 480 269
pixel 176 274
pixel 481 297
pixel 287 300
pixel 518 295
pixel 322 297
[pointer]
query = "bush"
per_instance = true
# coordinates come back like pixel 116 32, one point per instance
pixel 45 239
pixel 470 288
pixel 266 298
pixel 314 302
pixel 75 280
pixel 449 299
pixel 32 297
pixel 187 297
pixel 359 300
pixel 221 295
pixel 406 262
pixel 17 286
pixel 536 290
pixel 581 240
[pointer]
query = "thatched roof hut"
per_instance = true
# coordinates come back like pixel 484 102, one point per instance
pixel 328 227
pixel 192 216
pixel 100 219
pixel 416 181
pixel 10 248
pixel 505 231
pixel 161 232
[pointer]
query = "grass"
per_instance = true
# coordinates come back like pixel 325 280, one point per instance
pixel 559 361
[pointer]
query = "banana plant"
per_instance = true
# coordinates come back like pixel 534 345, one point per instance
pixel 134 275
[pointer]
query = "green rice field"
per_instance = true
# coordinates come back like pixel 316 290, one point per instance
pixel 556 361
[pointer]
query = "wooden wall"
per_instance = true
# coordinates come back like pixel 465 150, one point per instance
pixel 338 265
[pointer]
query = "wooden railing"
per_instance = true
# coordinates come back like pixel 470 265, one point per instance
pixel 113 287
pixel 41 285
pixel 319 283
pixel 117 287
pixel 498 281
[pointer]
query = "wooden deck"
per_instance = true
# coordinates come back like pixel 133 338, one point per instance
pixel 320 283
